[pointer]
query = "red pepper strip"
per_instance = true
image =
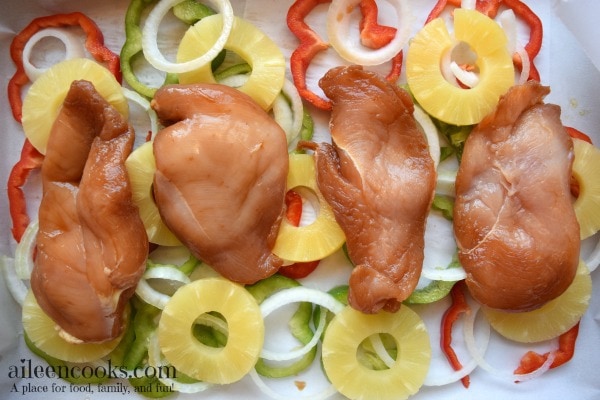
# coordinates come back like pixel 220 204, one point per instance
pixel 536 30
pixel 299 270
pixel 459 305
pixel 30 159
pixel 310 45
pixel 577 134
pixel 439 8
pixel 94 44
pixel 372 34
pixel 394 73
pixel 532 361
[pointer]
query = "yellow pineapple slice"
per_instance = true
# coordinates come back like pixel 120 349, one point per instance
pixel 49 338
pixel 439 97
pixel 46 95
pixel 349 376
pixel 262 54
pixel 245 324
pixel 318 239
pixel 552 319
pixel 585 170
pixel 141 167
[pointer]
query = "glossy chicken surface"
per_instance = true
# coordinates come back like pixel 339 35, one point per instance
pixel 379 179
pixel 220 183
pixel 514 222
pixel 91 245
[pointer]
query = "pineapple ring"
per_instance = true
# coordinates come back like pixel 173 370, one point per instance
pixel 210 364
pixel 317 240
pixel 587 205
pixel 266 59
pixel 439 97
pixel 350 328
pixel 141 167
pixel 43 333
pixel 552 319
pixel 46 95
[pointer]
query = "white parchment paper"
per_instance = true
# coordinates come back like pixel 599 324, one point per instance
pixel 564 64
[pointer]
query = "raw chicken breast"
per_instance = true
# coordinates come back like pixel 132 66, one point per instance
pixel 514 222
pixel 91 245
pixel 379 178
pixel 221 177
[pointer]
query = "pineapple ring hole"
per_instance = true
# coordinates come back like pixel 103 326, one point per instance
pixel 311 205
pixel 211 329
pixel 378 351
pixel 247 42
pixel 459 65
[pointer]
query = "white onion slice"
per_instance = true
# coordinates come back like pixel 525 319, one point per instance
pixel 446 274
pixel 468 4
pixel 150 37
pixel 15 286
pixel 508 22
pixel 381 351
pixel 338 31
pixel 431 133
pixel 467 78
pixel 145 105
pixel 24 251
pixel 593 259
pixel 297 353
pixel 525 65
pixel 152 296
pixel 481 362
pixel 294 295
pixel 155 361
pixel 73 49
pixel 290 91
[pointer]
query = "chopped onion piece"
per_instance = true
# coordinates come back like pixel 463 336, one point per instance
pixel 478 355
pixel 24 251
pixel 73 49
pixel 15 286
pixel 152 296
pixel 150 37
pixel 338 31
pixel 431 133
pixel 145 104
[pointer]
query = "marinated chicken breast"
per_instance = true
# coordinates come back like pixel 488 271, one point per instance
pixel 379 178
pixel 91 245
pixel 221 176
pixel 514 222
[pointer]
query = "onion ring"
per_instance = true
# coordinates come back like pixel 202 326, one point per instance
pixel 150 36
pixel 73 49
pixel 338 33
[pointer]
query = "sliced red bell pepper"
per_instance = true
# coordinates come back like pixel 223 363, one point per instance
pixel 532 361
pixel 30 159
pixel 372 34
pixel 459 306
pixel 310 45
pixel 299 270
pixel 94 43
